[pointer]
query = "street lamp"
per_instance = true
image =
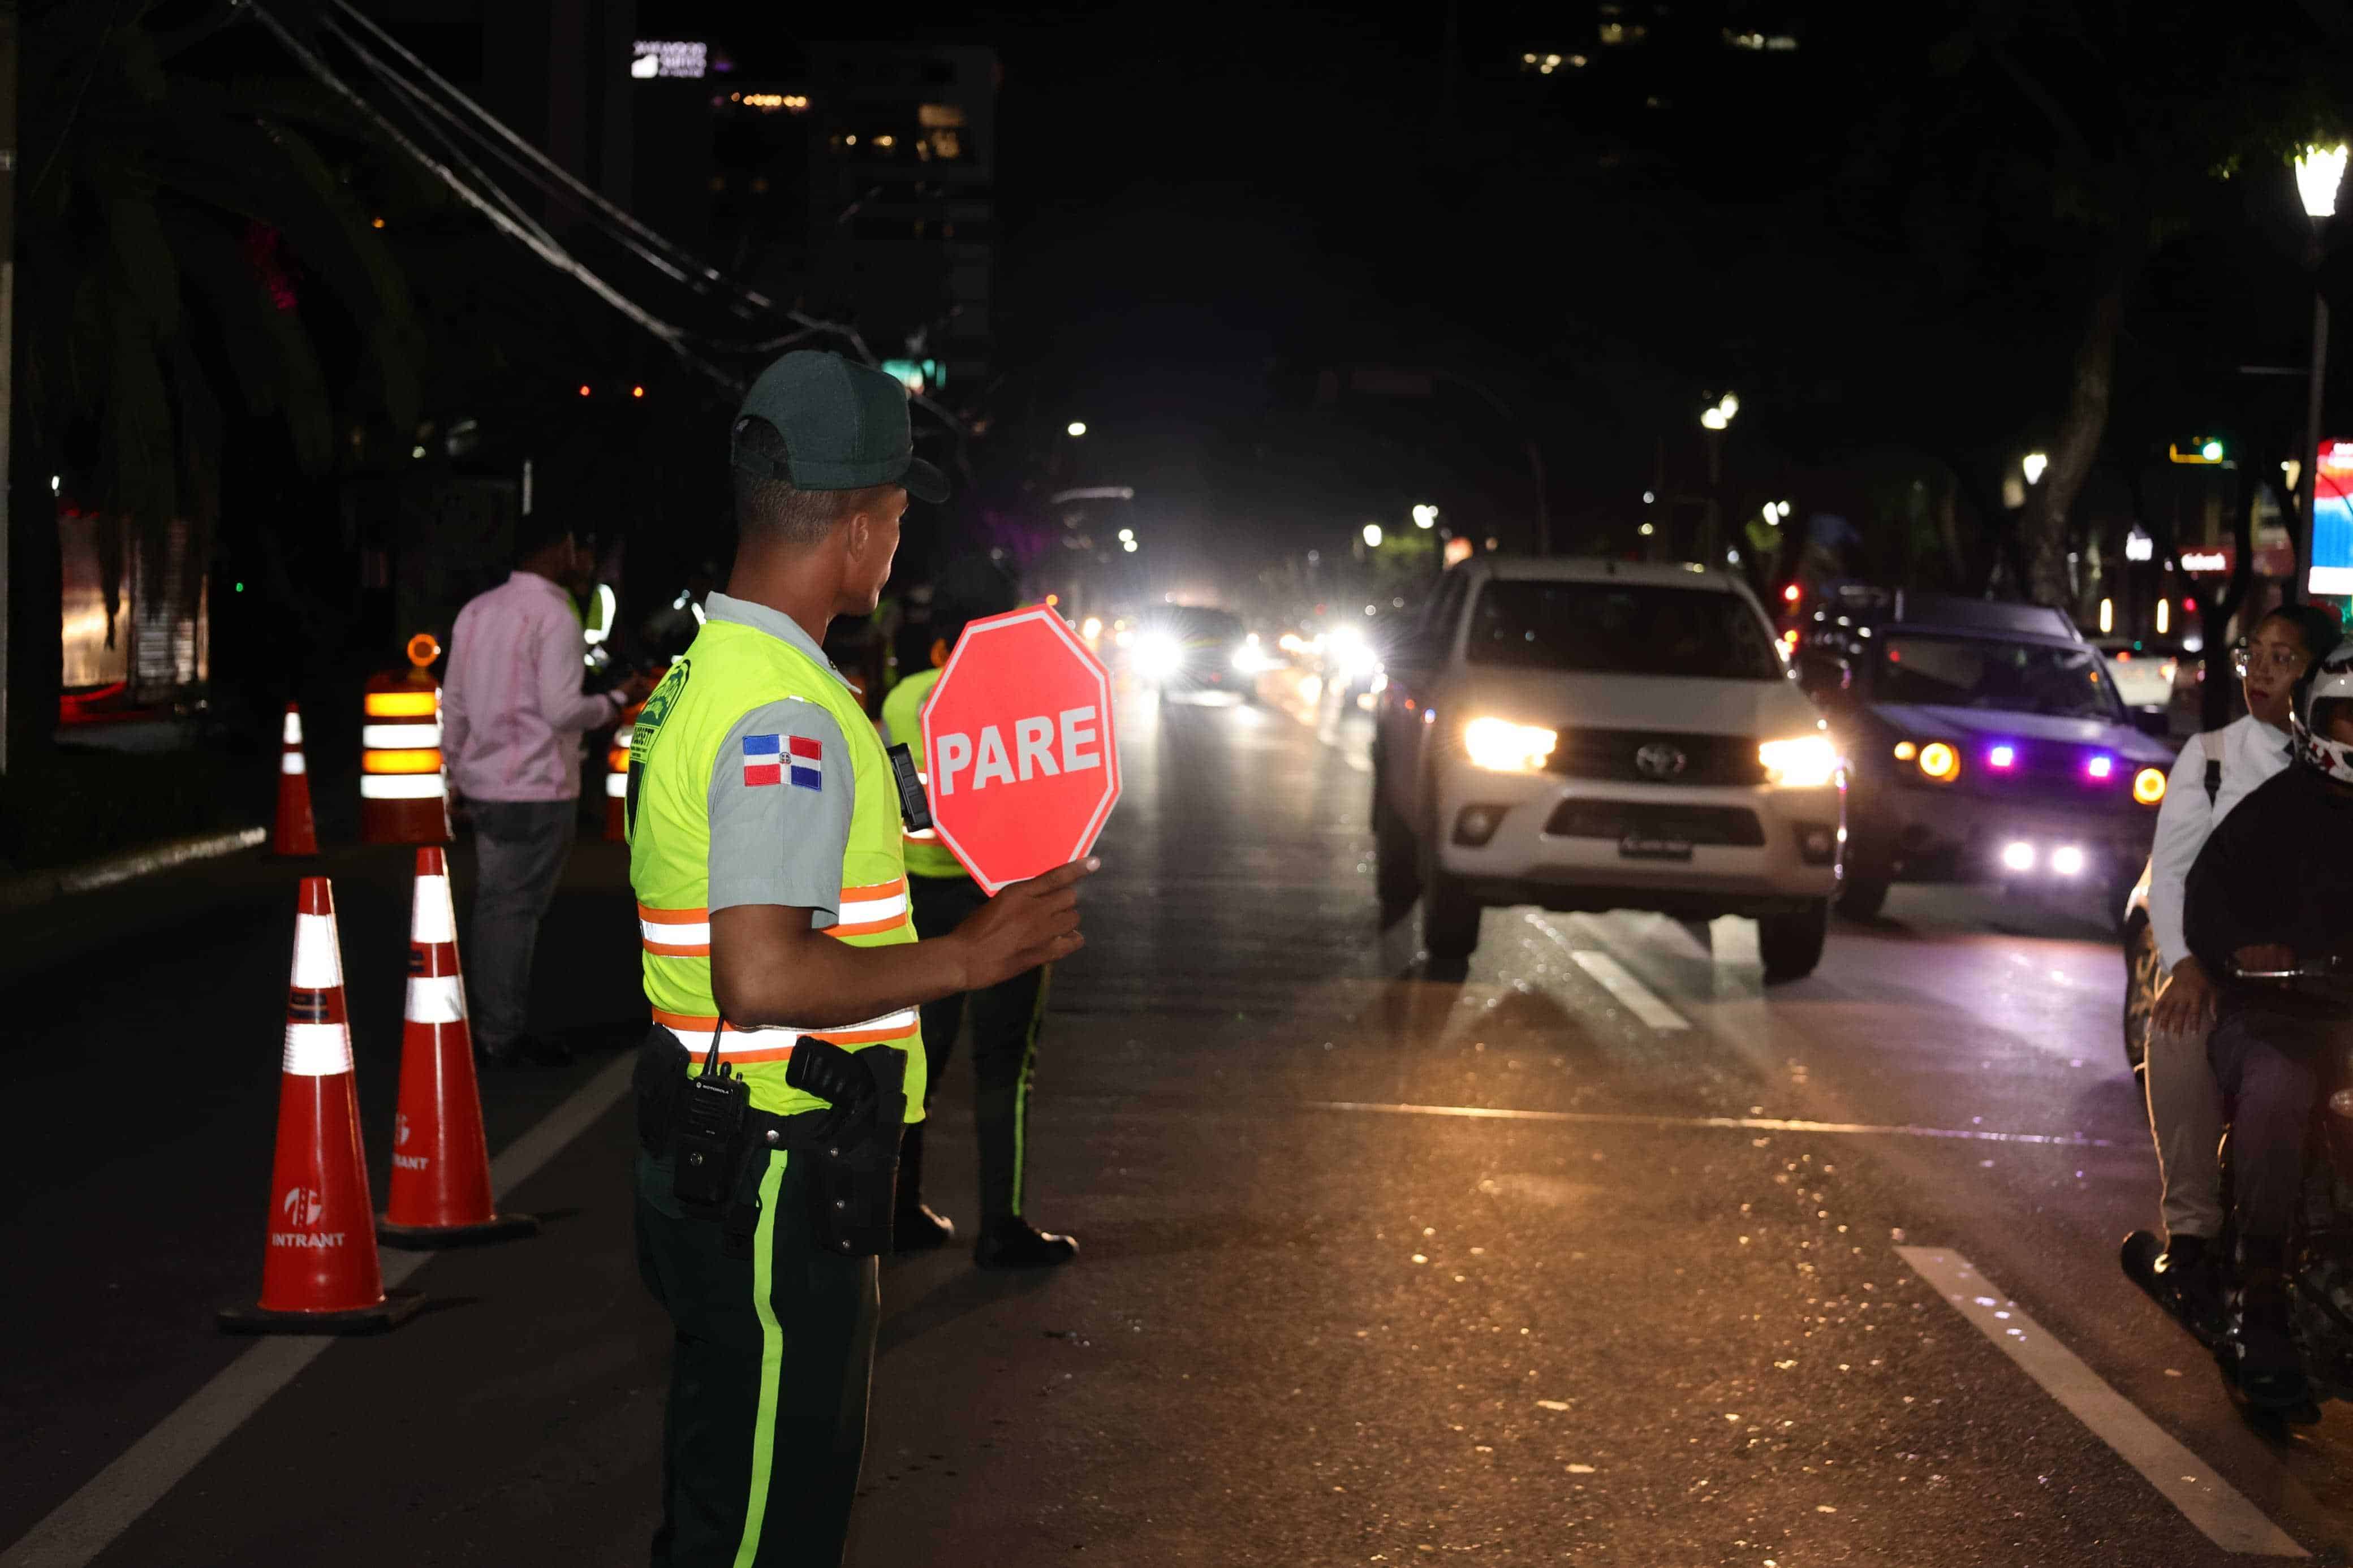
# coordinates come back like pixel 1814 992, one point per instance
pixel 1425 516
pixel 2319 170
pixel 2032 465
pixel 1716 421
pixel 1076 428
pixel 1372 536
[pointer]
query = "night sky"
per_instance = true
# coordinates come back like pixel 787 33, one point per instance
pixel 1204 208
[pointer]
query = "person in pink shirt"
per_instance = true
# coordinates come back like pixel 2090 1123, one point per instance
pixel 513 714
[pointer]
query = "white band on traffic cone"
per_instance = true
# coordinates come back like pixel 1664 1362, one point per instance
pixel 292 762
pixel 433 919
pixel 318 962
pixel 293 727
pixel 318 1050
pixel 434 999
pixel 400 737
pixel 400 786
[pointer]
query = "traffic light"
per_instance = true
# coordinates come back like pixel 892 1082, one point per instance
pixel 2204 450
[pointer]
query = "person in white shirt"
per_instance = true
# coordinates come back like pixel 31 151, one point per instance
pixel 2214 771
pixel 513 714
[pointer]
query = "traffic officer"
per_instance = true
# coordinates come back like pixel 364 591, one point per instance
pixel 1004 1016
pixel 765 849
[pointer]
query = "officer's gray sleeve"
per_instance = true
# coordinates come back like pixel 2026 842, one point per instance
pixel 780 797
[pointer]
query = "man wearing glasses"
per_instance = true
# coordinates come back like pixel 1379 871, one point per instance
pixel 2214 773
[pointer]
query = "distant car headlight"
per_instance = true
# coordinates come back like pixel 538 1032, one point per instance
pixel 1158 656
pixel 1802 761
pixel 1504 747
pixel 1940 762
pixel 1251 660
pixel 2148 785
pixel 1349 654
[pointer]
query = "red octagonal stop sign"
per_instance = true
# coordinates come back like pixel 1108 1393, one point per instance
pixel 1019 737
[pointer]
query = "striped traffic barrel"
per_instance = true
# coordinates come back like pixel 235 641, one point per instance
pixel 616 777
pixel 404 793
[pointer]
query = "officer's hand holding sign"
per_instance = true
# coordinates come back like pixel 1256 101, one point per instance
pixel 1027 924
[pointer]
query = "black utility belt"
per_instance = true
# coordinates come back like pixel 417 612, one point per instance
pixel 849 1165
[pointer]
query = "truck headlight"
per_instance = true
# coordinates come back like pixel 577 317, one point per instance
pixel 1802 761
pixel 1157 656
pixel 1501 746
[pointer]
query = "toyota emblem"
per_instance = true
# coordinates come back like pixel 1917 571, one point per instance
pixel 1661 761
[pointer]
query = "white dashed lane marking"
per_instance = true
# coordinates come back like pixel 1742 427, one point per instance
pixel 2207 1500
pixel 82 1526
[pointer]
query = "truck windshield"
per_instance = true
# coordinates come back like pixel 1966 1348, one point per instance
pixel 1618 629
pixel 1982 672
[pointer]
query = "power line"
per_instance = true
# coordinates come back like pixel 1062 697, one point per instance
pixel 546 248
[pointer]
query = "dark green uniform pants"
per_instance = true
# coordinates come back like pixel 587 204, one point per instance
pixel 1005 1019
pixel 767 1419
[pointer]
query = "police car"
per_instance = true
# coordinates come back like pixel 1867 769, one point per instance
pixel 1593 734
pixel 1986 742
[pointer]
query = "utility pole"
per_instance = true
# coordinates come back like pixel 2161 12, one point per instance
pixel 8 22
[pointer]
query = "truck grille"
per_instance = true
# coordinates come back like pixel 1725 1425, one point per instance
pixel 1722 824
pixel 1610 754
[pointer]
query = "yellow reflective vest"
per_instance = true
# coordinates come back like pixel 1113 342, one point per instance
pixel 729 671
pixel 902 715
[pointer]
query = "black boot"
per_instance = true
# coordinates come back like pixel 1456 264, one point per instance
pixel 1017 1244
pixel 2261 1350
pixel 916 1227
pixel 2191 1271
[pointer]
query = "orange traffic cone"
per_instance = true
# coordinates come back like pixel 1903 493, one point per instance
pixel 294 834
pixel 441 1166
pixel 319 1268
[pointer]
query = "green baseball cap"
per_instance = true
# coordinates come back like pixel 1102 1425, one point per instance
pixel 844 425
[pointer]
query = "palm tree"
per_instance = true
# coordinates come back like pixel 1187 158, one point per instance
pixel 183 238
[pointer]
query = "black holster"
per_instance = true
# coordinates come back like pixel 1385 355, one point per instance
pixel 850 1173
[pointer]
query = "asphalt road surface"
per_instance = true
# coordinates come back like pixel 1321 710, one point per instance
pixel 1603 1253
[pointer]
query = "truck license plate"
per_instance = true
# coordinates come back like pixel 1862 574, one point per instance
pixel 1634 846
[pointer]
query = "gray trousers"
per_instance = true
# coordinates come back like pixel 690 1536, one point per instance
pixel 2185 1111
pixel 520 849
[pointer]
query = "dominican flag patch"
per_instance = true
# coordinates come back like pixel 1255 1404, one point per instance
pixel 778 759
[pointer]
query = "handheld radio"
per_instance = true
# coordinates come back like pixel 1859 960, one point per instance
pixel 709 1122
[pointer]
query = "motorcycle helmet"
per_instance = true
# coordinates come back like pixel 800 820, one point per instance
pixel 2328 684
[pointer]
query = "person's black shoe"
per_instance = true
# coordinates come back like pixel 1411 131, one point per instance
pixel 921 1228
pixel 1018 1244
pixel 2191 1271
pixel 2260 1352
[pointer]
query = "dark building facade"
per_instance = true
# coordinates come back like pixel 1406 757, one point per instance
pixel 901 215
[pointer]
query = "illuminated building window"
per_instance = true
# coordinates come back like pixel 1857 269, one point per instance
pixel 946 146
pixel 1624 32
pixel 939 116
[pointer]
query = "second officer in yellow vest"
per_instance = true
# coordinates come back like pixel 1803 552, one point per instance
pixel 1004 1016
pixel 785 977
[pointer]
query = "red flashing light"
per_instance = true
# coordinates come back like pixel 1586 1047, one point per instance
pixel 637 392
pixel 583 389
pixel 2189 606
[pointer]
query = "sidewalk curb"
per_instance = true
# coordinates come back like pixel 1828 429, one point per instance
pixel 38 888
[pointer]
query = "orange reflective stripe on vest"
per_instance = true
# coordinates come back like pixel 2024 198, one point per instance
pixel 675 933
pixel 686 933
pixel 774 1044
pixel 865 911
